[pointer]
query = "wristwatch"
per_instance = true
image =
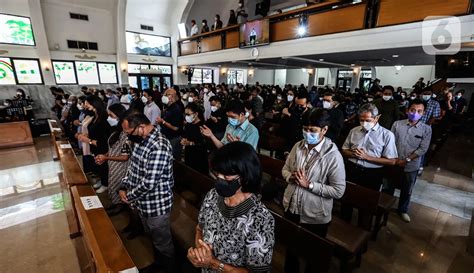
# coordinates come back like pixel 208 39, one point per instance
pixel 90 141
pixel 311 186
pixel 408 159
pixel 220 268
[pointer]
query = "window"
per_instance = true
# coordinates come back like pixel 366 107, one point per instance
pixel 235 76
pixel 82 45
pixel 107 73
pixel 27 71
pixel 146 44
pixel 87 73
pixel 145 27
pixel 7 76
pixel 197 76
pixel 64 72
pixel 79 16
pixel 202 76
pixel 133 68
pixel 16 30
pixel 164 69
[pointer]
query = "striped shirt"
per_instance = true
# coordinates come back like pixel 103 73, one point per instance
pixel 149 179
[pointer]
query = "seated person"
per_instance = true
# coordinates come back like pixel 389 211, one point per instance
pixel 232 211
pixel 238 129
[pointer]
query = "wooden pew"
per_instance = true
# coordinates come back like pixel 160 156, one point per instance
pixel 15 134
pixel 108 254
pixel 56 133
pixel 72 175
pixel 192 190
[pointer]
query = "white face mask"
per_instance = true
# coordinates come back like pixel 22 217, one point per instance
pixel 386 98
pixel 144 99
pixel 165 100
pixel 370 99
pixel 112 121
pixel 274 91
pixel 327 105
pixel 247 114
pixel 279 98
pixel 367 125
pixel 189 118
pixel 206 90
pixel 80 107
pixel 190 99
pixel 214 108
pixel 290 98
pixel 64 101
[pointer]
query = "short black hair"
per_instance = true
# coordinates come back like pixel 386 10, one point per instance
pixel 215 98
pixel 316 117
pixel 235 106
pixel 302 94
pixel 238 158
pixel 417 101
pixel 135 119
pixel 389 87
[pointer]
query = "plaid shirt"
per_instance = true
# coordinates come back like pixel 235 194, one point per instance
pixel 149 179
pixel 433 110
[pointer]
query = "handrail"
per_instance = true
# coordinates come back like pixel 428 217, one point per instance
pixel 210 33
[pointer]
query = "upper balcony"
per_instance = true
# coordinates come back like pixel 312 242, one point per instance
pixel 332 17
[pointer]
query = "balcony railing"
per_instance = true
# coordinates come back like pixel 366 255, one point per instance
pixel 332 16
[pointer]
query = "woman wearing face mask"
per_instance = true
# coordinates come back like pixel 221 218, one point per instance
pixel 205 27
pixel 85 118
pixel 73 114
pixel 98 133
pixel 278 105
pixel 314 171
pixel 117 158
pixel 195 152
pixel 237 171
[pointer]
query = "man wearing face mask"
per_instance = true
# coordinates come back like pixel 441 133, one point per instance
pixel 336 116
pixel 217 121
pixel 207 94
pixel 314 171
pixel 388 107
pixel 368 148
pixel 291 121
pixel 148 185
pixel 413 140
pixel 151 110
pixel 172 120
pixel 433 110
pixel 111 97
pixel 136 102
pixel 238 129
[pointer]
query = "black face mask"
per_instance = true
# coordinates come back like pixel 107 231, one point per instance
pixel 298 109
pixel 89 113
pixel 134 138
pixel 225 188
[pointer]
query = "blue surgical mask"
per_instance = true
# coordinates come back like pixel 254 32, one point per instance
pixel 311 138
pixel 233 121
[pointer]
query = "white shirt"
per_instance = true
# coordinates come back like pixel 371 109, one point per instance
pixel 125 101
pixel 152 111
pixel 194 30
pixel 207 104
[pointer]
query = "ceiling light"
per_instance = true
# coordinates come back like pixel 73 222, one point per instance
pixel 398 67
pixel 352 64
pixel 321 60
pixel 301 31
pixel 395 56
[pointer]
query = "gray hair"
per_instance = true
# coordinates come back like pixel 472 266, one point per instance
pixel 369 107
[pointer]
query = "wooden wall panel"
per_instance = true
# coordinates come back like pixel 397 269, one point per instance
pixel 211 43
pixel 284 30
pixel 338 20
pixel 232 39
pixel 15 134
pixel 188 48
pixel 394 12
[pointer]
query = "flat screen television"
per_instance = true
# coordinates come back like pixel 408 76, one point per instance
pixel 146 44
pixel 16 30
pixel 460 65
pixel 254 33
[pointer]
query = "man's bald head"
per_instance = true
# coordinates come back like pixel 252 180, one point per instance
pixel 171 94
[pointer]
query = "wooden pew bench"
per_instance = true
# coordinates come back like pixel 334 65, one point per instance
pixel 55 132
pixel 72 175
pixel 107 252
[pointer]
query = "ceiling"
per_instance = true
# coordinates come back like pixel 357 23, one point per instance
pixel 98 4
pixel 383 57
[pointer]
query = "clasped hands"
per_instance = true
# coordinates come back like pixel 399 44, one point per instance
pixel 360 153
pixel 201 256
pixel 300 179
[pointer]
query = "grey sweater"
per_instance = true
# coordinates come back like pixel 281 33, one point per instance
pixel 325 169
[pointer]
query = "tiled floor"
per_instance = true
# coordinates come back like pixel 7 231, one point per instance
pixel 34 232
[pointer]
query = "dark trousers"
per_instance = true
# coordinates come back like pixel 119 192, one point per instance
pixel 371 178
pixel 103 172
pixel 88 163
pixel 292 264
pixel 158 227
pixel 407 183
